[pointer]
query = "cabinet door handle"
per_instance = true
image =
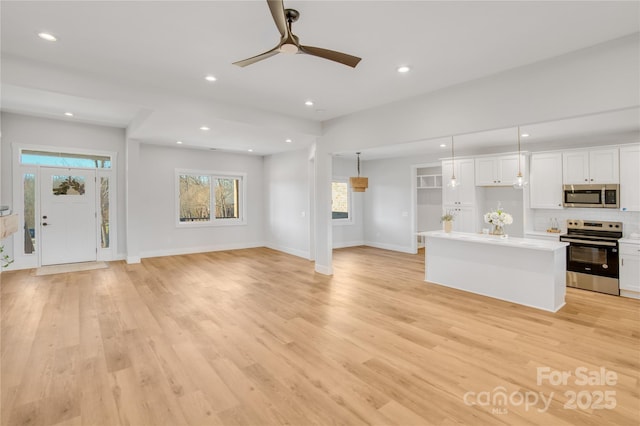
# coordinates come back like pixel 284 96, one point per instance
pixel 586 180
pixel 622 261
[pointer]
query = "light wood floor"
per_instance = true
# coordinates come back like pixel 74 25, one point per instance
pixel 255 337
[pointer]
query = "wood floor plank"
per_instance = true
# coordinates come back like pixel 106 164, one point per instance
pixel 255 336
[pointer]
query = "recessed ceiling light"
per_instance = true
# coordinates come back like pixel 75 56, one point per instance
pixel 309 103
pixel 47 36
pixel 403 69
pixel 68 114
pixel 250 150
pixel 443 145
pixel 525 135
pixel 288 140
pixel 210 78
pixel 204 128
pixel 179 142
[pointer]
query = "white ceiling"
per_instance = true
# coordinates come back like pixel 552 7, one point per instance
pixel 167 47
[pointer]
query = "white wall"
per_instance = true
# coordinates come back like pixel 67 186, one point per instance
pixel 159 235
pixel 510 200
pixel 388 212
pixel 349 234
pixel 22 129
pixel 541 218
pixel 286 199
pixel 600 78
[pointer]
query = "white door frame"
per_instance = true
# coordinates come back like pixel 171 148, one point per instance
pixel 414 201
pixel 26 261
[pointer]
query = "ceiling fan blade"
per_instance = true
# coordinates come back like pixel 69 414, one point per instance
pixel 332 55
pixel 259 57
pixel 277 11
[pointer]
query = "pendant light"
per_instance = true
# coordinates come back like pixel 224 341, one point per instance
pixel 519 182
pixel 453 183
pixel 359 184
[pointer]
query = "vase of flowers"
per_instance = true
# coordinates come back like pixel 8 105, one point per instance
pixel 447 220
pixel 498 218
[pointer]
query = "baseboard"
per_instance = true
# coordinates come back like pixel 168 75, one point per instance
pixel 325 270
pixel 345 244
pixel 133 259
pixel 391 247
pixel 293 252
pixel 629 293
pixel 203 249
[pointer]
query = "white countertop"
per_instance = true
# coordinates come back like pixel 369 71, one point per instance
pixel 629 241
pixel 525 243
pixel 544 233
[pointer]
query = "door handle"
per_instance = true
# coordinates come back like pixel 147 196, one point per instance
pixel 44 217
pixel 45 224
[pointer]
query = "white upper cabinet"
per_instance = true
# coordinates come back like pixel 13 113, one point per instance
pixel 630 178
pixel 545 180
pixel 593 166
pixel 497 171
pixel 604 166
pixel 465 193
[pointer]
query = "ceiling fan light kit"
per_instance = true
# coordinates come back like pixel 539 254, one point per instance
pixel 290 43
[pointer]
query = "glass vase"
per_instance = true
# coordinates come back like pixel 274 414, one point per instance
pixel 498 230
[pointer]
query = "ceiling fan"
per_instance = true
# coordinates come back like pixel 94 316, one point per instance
pixel 289 42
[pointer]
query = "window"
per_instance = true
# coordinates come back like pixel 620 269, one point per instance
pixel 104 212
pixel 67 185
pixel 340 200
pixel 200 194
pixel 29 182
pixel 46 158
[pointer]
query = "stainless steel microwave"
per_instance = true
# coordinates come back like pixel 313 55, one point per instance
pixel 594 195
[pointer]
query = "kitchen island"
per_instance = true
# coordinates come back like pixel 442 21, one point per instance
pixel 520 270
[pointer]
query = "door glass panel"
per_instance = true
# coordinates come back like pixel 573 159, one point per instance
pixel 104 212
pixel 29 185
pixel 68 185
pixel 588 255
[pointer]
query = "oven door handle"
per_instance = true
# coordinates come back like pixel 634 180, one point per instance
pixel 593 243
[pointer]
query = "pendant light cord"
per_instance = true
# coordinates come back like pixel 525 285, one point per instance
pixel 453 159
pixel 519 156
pixel 358 154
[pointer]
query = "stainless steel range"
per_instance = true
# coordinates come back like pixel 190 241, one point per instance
pixel 592 255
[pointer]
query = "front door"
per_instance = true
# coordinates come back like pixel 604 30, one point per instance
pixel 68 215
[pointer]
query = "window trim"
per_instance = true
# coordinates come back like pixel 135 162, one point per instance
pixel 70 151
pixel 213 221
pixel 349 219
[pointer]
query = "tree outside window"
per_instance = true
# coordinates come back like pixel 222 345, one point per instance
pixel 340 208
pixel 201 194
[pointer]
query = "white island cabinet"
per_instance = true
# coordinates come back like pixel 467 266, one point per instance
pixel 520 270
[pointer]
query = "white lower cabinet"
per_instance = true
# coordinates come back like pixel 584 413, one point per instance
pixel 630 270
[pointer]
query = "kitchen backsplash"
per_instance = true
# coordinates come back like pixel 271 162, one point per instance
pixel 541 218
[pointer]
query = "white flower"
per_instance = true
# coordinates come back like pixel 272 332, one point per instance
pixel 498 217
